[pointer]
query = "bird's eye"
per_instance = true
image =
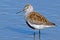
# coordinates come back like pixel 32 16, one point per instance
pixel 26 7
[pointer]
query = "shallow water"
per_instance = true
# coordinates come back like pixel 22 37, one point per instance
pixel 13 26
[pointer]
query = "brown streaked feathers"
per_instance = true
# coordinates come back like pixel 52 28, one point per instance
pixel 38 19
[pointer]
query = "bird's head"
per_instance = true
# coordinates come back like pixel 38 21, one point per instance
pixel 27 8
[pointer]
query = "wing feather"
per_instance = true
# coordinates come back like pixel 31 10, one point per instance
pixel 36 18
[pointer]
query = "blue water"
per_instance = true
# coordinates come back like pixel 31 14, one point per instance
pixel 13 26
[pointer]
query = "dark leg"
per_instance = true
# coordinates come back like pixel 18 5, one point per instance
pixel 34 35
pixel 39 34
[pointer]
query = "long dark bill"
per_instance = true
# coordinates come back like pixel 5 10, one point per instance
pixel 19 12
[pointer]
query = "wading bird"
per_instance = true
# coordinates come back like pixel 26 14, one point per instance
pixel 35 20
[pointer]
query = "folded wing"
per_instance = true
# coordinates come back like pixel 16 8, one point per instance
pixel 38 19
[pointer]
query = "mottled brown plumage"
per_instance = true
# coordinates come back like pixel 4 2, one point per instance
pixel 36 18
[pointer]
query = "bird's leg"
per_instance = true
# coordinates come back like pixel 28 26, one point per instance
pixel 34 35
pixel 39 34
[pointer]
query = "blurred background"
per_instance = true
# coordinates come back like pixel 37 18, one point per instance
pixel 13 26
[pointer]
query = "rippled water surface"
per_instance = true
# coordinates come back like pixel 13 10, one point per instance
pixel 13 26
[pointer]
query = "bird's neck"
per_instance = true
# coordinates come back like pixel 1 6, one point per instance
pixel 30 9
pixel 28 12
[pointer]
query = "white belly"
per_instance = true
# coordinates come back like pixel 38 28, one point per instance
pixel 39 26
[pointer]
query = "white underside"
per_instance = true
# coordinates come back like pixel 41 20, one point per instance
pixel 40 26
pixel 37 26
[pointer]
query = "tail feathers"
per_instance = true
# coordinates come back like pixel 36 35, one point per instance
pixel 50 23
pixel 53 24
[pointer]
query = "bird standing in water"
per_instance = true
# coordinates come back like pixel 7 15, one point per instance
pixel 35 20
